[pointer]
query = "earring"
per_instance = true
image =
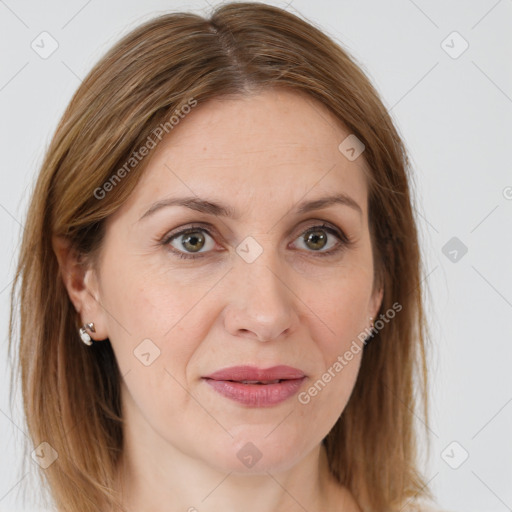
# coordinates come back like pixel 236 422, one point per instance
pixel 84 335
pixel 372 332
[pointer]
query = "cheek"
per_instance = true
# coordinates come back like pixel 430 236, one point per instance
pixel 341 316
pixel 341 308
pixel 146 312
pixel 148 299
pixel 328 393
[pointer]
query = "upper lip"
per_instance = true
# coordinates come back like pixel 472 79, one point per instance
pixel 243 373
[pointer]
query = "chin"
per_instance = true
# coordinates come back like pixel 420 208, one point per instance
pixel 257 450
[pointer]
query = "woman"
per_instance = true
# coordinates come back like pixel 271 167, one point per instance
pixel 219 280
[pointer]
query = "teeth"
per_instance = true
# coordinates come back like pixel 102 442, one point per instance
pixel 259 382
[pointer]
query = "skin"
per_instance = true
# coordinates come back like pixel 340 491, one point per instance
pixel 261 155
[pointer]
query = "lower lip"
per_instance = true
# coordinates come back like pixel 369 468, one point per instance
pixel 257 395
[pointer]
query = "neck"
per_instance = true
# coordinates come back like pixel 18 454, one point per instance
pixel 182 484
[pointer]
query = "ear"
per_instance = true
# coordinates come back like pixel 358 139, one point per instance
pixel 376 301
pixel 82 284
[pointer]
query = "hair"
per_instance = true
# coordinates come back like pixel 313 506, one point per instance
pixel 71 393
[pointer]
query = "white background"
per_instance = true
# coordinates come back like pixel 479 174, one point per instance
pixel 455 115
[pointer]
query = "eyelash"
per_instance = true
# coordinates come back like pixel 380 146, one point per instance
pixel 344 241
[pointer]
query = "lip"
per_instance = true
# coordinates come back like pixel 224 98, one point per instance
pixel 228 382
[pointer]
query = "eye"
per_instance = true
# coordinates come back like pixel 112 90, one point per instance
pixel 316 238
pixel 189 243
pixel 192 239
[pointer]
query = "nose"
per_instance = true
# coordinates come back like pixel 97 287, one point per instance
pixel 260 303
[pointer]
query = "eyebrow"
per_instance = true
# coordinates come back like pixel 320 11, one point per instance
pixel 220 210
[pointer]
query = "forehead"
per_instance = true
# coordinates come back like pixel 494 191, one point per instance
pixel 277 147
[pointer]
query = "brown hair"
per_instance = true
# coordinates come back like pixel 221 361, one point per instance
pixel 71 393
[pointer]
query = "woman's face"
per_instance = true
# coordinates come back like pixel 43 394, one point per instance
pixel 273 283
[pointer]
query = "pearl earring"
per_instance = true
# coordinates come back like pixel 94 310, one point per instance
pixel 84 335
pixel 372 332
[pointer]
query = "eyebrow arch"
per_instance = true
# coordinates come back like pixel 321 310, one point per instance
pixel 220 210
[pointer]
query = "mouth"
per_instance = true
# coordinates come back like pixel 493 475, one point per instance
pixel 257 387
pixel 276 381
pixel 254 375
